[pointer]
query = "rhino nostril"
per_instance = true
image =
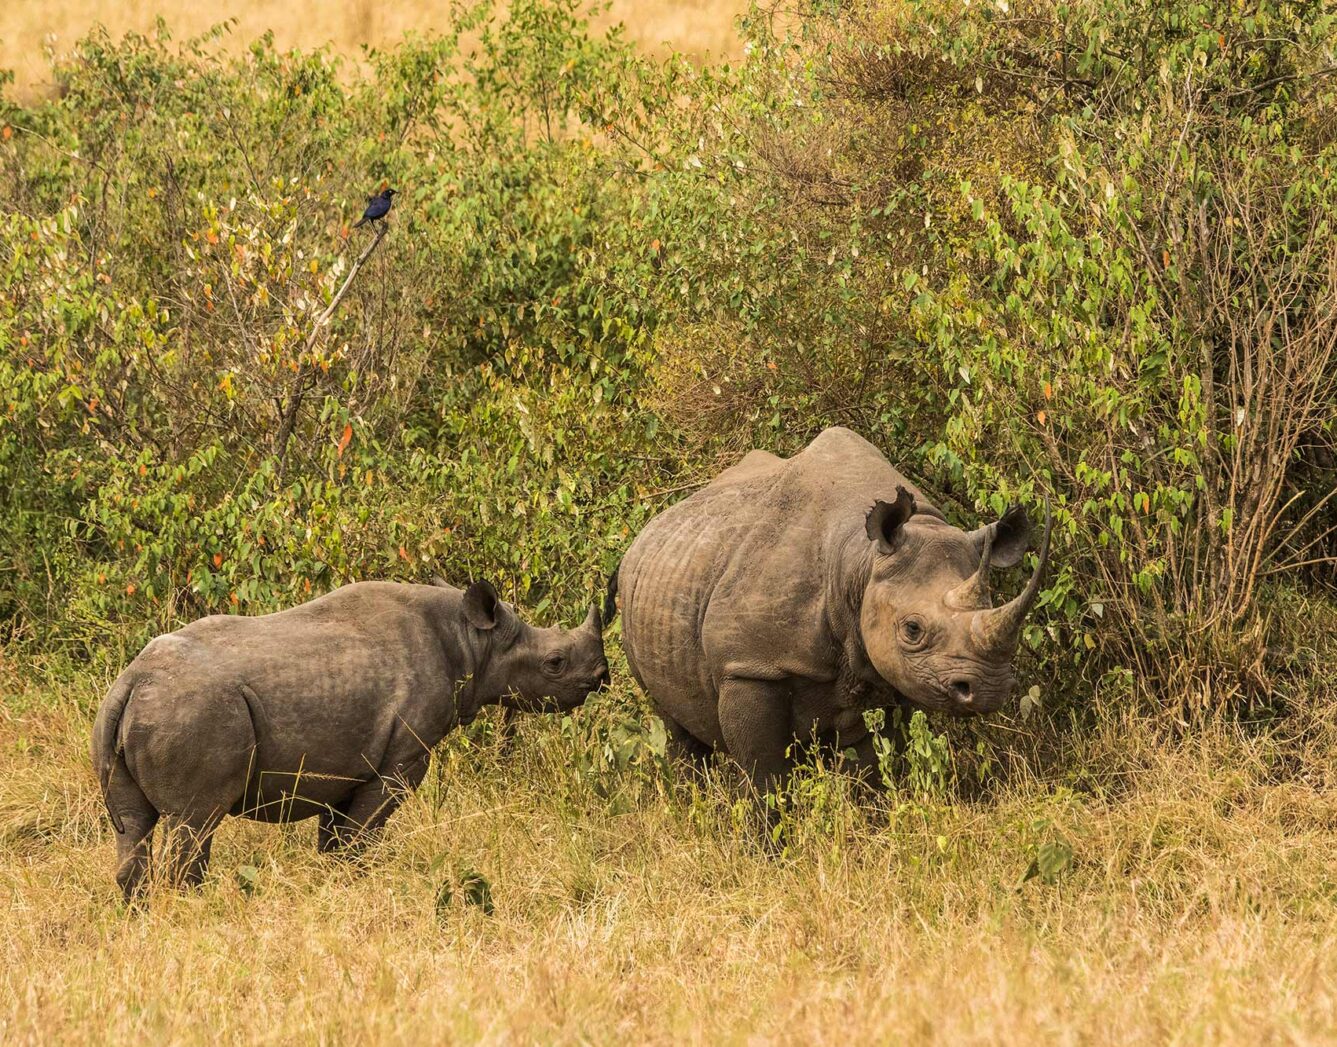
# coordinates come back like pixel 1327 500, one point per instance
pixel 961 691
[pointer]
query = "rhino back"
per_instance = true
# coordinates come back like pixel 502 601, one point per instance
pixel 327 684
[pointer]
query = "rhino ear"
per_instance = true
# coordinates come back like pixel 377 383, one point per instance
pixel 481 606
pixel 885 520
pixel 1011 536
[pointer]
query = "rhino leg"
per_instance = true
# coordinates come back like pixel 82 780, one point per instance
pixel 757 726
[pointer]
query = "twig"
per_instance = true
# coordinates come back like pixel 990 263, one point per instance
pixel 304 369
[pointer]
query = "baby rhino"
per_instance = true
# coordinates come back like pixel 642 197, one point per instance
pixel 328 710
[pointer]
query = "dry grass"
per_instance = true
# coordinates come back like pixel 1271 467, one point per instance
pixel 695 27
pixel 1202 908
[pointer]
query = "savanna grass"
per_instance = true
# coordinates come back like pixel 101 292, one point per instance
pixel 1199 905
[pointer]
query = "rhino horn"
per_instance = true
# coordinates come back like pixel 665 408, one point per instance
pixel 593 620
pixel 997 629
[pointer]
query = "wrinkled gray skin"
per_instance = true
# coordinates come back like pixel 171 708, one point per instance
pixel 327 710
pixel 789 596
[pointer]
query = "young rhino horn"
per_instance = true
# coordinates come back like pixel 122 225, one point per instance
pixel 593 621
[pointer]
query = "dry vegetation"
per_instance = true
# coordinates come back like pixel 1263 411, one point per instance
pixel 29 30
pixel 1200 908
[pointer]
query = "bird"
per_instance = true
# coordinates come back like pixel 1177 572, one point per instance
pixel 377 207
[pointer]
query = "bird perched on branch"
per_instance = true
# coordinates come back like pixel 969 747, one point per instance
pixel 377 207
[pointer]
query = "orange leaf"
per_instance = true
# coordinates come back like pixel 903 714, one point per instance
pixel 1165 259
pixel 130 589
pixel 233 598
pixel 1049 391
pixel 403 554
pixel 7 133
pixel 346 439
pixel 654 245
pixel 218 559
pixel 306 585
pixel 212 237
pixel 1040 417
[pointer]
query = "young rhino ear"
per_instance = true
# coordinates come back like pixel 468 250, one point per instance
pixel 885 520
pixel 480 605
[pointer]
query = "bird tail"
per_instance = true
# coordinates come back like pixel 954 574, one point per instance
pixel 360 221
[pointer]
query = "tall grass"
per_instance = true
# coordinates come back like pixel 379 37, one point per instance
pixel 29 30
pixel 1199 906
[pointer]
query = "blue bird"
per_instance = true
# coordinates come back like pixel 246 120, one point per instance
pixel 377 207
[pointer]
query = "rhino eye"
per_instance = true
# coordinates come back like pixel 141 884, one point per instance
pixel 912 631
pixel 554 663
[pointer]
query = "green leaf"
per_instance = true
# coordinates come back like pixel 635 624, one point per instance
pixel 477 891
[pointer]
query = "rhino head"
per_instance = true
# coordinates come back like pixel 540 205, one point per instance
pixel 927 619
pixel 529 668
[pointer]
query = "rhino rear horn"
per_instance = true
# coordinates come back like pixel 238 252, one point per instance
pixel 885 520
pixel 998 630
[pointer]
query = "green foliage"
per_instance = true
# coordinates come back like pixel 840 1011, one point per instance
pixel 912 758
pixel 616 751
pixel 183 224
pixel 475 890
pixel 1080 253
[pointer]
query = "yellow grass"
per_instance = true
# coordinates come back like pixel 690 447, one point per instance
pixel 1202 909
pixel 29 27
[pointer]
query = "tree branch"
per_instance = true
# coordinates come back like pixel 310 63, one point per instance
pixel 304 369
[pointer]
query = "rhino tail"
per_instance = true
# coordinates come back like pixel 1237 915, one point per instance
pixel 107 752
pixel 610 597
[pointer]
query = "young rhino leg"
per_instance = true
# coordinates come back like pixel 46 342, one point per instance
pixel 192 756
pixel 350 826
pixel 331 829
pixel 187 846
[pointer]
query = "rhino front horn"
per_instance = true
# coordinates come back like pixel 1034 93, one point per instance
pixel 997 630
pixel 593 620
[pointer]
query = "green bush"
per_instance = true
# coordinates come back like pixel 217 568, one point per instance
pixel 1079 252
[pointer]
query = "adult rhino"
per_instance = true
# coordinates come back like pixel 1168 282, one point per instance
pixel 329 710
pixel 789 596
